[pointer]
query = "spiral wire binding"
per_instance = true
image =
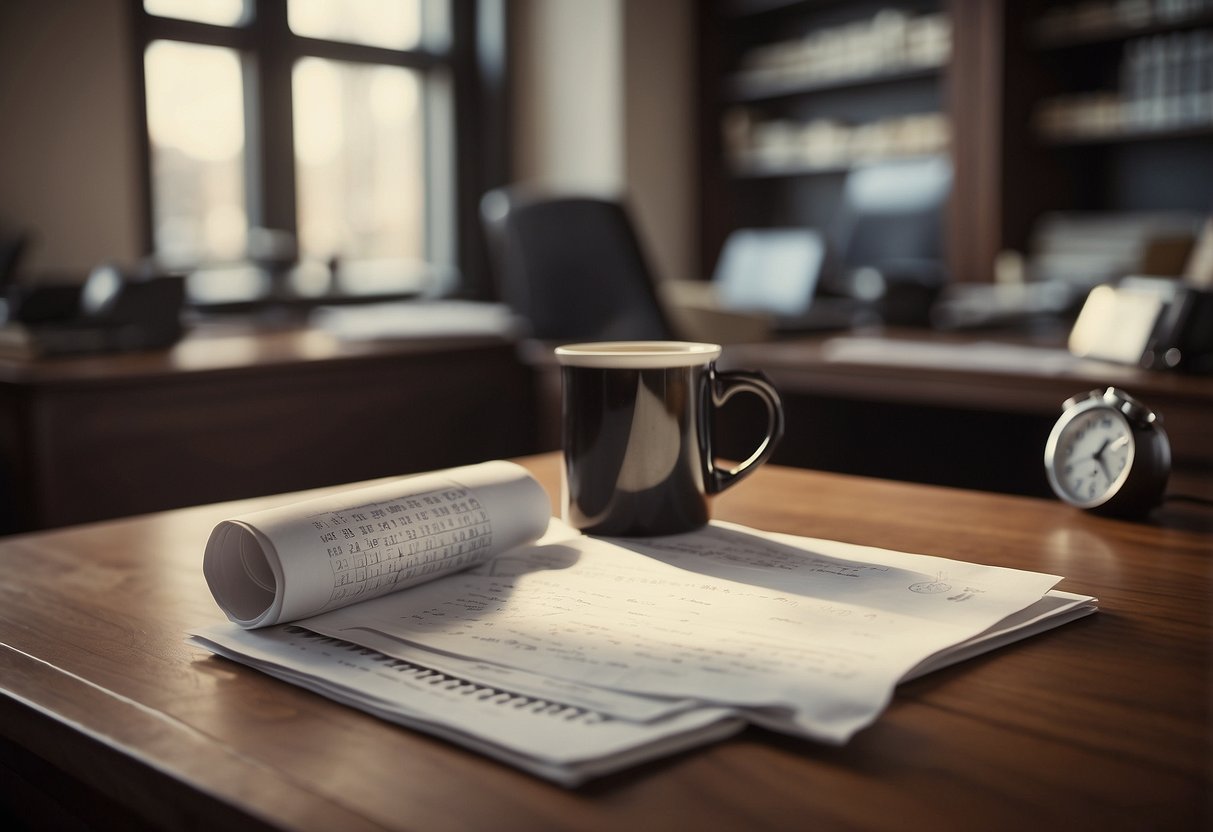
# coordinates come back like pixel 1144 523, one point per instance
pixel 485 693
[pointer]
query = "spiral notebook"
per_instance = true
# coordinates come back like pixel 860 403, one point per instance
pixel 571 657
pixel 561 742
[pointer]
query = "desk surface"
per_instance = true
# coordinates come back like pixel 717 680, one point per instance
pixel 959 391
pixel 230 347
pixel 1104 723
pixel 968 371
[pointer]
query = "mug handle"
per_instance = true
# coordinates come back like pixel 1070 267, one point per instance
pixel 723 385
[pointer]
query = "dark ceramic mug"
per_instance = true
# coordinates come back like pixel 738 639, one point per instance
pixel 637 425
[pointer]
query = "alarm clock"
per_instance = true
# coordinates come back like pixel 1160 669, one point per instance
pixel 1108 454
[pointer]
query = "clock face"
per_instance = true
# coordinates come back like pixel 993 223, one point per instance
pixel 1090 455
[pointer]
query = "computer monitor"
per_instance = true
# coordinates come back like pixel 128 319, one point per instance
pixel 773 270
pixel 892 214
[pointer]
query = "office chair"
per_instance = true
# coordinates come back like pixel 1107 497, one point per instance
pixel 12 247
pixel 573 267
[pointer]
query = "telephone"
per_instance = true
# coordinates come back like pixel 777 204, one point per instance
pixel 1182 339
pixel 1156 323
pixel 111 311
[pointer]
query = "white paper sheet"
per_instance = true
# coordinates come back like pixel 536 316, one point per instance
pixel 816 632
pixel 1053 610
pixel 570 656
pixel 990 356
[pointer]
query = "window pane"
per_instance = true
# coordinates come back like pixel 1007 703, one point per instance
pixel 359 154
pixel 393 24
pixel 195 114
pixel 219 12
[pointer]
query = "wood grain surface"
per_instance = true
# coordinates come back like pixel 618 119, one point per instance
pixel 108 717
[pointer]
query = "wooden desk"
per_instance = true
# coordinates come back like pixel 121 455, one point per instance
pixel 970 411
pixel 1106 723
pixel 235 411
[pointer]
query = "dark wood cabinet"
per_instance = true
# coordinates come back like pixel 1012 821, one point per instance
pixel 227 415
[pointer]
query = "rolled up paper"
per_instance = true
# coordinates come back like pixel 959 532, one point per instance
pixel 313 556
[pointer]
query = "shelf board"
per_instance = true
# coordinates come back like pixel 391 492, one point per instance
pixel 788 171
pixel 746 8
pixel 1130 135
pixel 752 8
pixel 1118 32
pixel 740 90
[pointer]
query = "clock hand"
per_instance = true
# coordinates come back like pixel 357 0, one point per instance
pixel 1119 443
pixel 1099 454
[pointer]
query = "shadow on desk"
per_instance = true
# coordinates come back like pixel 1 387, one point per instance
pixel 1187 515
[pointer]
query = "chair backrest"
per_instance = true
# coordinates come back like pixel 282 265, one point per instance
pixel 13 245
pixel 573 267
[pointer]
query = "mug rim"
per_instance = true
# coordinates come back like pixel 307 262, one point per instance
pixel 637 354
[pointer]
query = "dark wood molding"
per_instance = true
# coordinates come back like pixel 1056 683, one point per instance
pixel 974 99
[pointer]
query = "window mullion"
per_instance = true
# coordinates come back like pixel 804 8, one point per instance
pixel 189 31
pixel 271 133
pixel 359 53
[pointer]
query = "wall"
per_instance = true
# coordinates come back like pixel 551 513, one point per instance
pixel 568 99
pixel 68 150
pixel 659 145
pixel 604 104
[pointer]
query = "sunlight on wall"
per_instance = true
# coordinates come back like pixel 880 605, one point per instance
pixel 218 12
pixel 392 24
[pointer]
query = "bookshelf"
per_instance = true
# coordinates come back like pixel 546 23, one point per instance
pixel 796 94
pixel 1101 106
pixel 1114 111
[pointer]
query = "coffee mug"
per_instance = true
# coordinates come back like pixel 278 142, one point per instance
pixel 637 425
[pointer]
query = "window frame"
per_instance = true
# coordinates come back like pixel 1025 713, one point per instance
pixel 473 60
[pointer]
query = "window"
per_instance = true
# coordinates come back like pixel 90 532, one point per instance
pixel 304 149
pixel 195 123
pixel 359 159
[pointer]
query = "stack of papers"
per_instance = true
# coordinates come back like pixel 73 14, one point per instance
pixel 571 657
